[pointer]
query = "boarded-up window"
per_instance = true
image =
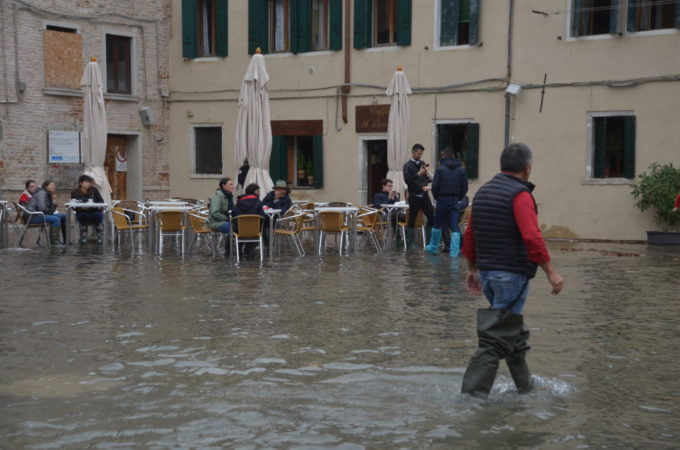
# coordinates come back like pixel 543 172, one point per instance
pixel 63 59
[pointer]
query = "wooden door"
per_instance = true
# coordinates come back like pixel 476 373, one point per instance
pixel 115 165
pixel 377 166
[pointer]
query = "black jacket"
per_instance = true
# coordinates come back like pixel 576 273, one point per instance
pixel 383 198
pixel 282 203
pixel 415 182
pixel 248 204
pixel 92 194
pixel 498 242
pixel 450 180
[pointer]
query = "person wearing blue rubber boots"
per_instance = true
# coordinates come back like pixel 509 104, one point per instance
pixel 449 186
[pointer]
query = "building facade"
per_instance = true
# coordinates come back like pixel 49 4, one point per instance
pixel 45 47
pixel 592 86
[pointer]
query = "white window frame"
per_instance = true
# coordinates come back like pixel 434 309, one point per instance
pixel 437 31
pixel 133 62
pixel 623 7
pixel 192 146
pixel 590 149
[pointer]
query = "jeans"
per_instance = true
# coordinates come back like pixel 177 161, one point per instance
pixel 501 288
pixel 90 217
pixel 446 213
pixel 55 220
pixel 224 228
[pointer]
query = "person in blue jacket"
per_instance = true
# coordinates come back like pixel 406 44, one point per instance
pixel 449 186
pixel 279 197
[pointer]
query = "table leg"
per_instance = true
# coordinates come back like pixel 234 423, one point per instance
pixel 68 226
pixel 355 235
pixel 271 237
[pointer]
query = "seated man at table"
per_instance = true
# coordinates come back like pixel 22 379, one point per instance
pixel 386 196
pixel 278 198
pixel 249 203
pixel 87 193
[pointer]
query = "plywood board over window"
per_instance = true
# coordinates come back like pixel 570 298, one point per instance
pixel 63 59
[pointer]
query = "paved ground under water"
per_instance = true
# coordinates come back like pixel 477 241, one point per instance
pixel 108 350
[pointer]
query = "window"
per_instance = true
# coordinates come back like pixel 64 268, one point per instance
pixel 279 16
pixel 208 150
pixel 204 28
pixel 61 29
pixel 463 139
pixel 298 160
pixel 62 56
pixel 644 15
pixel 295 26
pixel 458 22
pixel 613 146
pixel 382 22
pixel 118 64
pixel 593 17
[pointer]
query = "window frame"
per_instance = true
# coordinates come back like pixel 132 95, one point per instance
pixel 392 24
pixel 191 26
pixel 200 51
pixel 64 25
pixel 675 28
pixel 473 28
pixel 288 28
pixel 280 159
pixel 327 27
pixel 589 177
pixel 193 152
pixel 364 29
pixel 435 141
pixel 133 63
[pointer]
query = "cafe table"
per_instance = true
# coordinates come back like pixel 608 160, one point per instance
pixel 154 207
pixel 348 210
pixel 71 207
pixel 392 211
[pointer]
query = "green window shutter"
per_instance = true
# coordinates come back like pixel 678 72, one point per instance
pixel 189 28
pixel 362 23
pixel 677 13
pixel 278 161
pixel 335 38
pixel 317 146
pixel 443 137
pixel 222 28
pixel 448 24
pixel 631 19
pixel 301 25
pixel 474 22
pixel 629 147
pixel 600 143
pixel 472 151
pixel 258 26
pixel 576 12
pixel 403 22
pixel 614 17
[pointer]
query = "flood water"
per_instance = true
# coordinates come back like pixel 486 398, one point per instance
pixel 107 350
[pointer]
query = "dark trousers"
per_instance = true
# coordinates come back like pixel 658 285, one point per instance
pixel 447 214
pixel 415 204
pixel 90 217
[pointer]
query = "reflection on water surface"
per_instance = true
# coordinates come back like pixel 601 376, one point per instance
pixel 110 351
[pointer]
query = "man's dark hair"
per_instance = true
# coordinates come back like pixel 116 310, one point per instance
pixel 515 157
pixel 85 178
pixel 417 147
pixel 447 152
pixel 384 181
pixel 251 188
pixel 224 181
pixel 29 182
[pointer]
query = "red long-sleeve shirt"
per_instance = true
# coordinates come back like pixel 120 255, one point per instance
pixel 677 201
pixel 524 211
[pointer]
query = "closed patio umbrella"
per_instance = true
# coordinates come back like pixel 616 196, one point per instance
pixel 397 129
pixel 94 128
pixel 253 126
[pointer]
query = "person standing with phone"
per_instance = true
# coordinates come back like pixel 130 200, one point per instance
pixel 417 180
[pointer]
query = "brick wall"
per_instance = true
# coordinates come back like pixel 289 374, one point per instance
pixel 28 108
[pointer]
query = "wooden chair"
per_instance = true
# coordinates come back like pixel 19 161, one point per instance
pixel 368 222
pixel 249 228
pixel 291 226
pixel 128 221
pixel 42 226
pixel 331 222
pixel 419 223
pixel 202 232
pixel 170 223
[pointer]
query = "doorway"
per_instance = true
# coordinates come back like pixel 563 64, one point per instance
pixel 115 165
pixel 376 169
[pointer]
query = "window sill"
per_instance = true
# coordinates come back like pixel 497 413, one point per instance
pixel 455 47
pixel 211 176
pixel 606 181
pixel 121 97
pixel 653 32
pixel 62 92
pixel 592 37
pixel 383 47
pixel 201 59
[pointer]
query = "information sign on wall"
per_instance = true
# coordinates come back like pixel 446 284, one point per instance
pixel 63 147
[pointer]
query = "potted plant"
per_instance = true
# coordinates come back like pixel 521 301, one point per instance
pixel 658 189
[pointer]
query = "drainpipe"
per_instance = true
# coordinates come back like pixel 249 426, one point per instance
pixel 346 88
pixel 509 72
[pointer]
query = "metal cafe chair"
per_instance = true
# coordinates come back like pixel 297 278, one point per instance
pixel 202 232
pixel 170 223
pixel 368 222
pixel 291 226
pixel 42 226
pixel 249 228
pixel 123 223
pixel 331 222
pixel 419 223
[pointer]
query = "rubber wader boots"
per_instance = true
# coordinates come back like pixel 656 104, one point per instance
pixel 454 250
pixel 433 246
pixel 83 233
pixel 99 231
pixel 501 335
pixel 55 236
pixel 410 238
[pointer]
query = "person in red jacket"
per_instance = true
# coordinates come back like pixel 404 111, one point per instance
pixel 677 203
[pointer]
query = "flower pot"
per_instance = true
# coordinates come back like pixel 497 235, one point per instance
pixel 663 237
pixel 310 180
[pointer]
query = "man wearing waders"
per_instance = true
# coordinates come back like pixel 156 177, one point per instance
pixel 417 179
pixel 503 247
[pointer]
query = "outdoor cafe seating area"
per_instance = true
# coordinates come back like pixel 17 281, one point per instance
pixel 181 225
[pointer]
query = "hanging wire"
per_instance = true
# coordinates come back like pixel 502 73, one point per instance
pixel 610 7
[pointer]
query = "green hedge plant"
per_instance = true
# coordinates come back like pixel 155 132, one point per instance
pixel 657 189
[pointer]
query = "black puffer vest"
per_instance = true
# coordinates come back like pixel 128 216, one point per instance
pixel 499 244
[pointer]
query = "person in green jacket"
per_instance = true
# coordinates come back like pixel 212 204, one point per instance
pixel 220 205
